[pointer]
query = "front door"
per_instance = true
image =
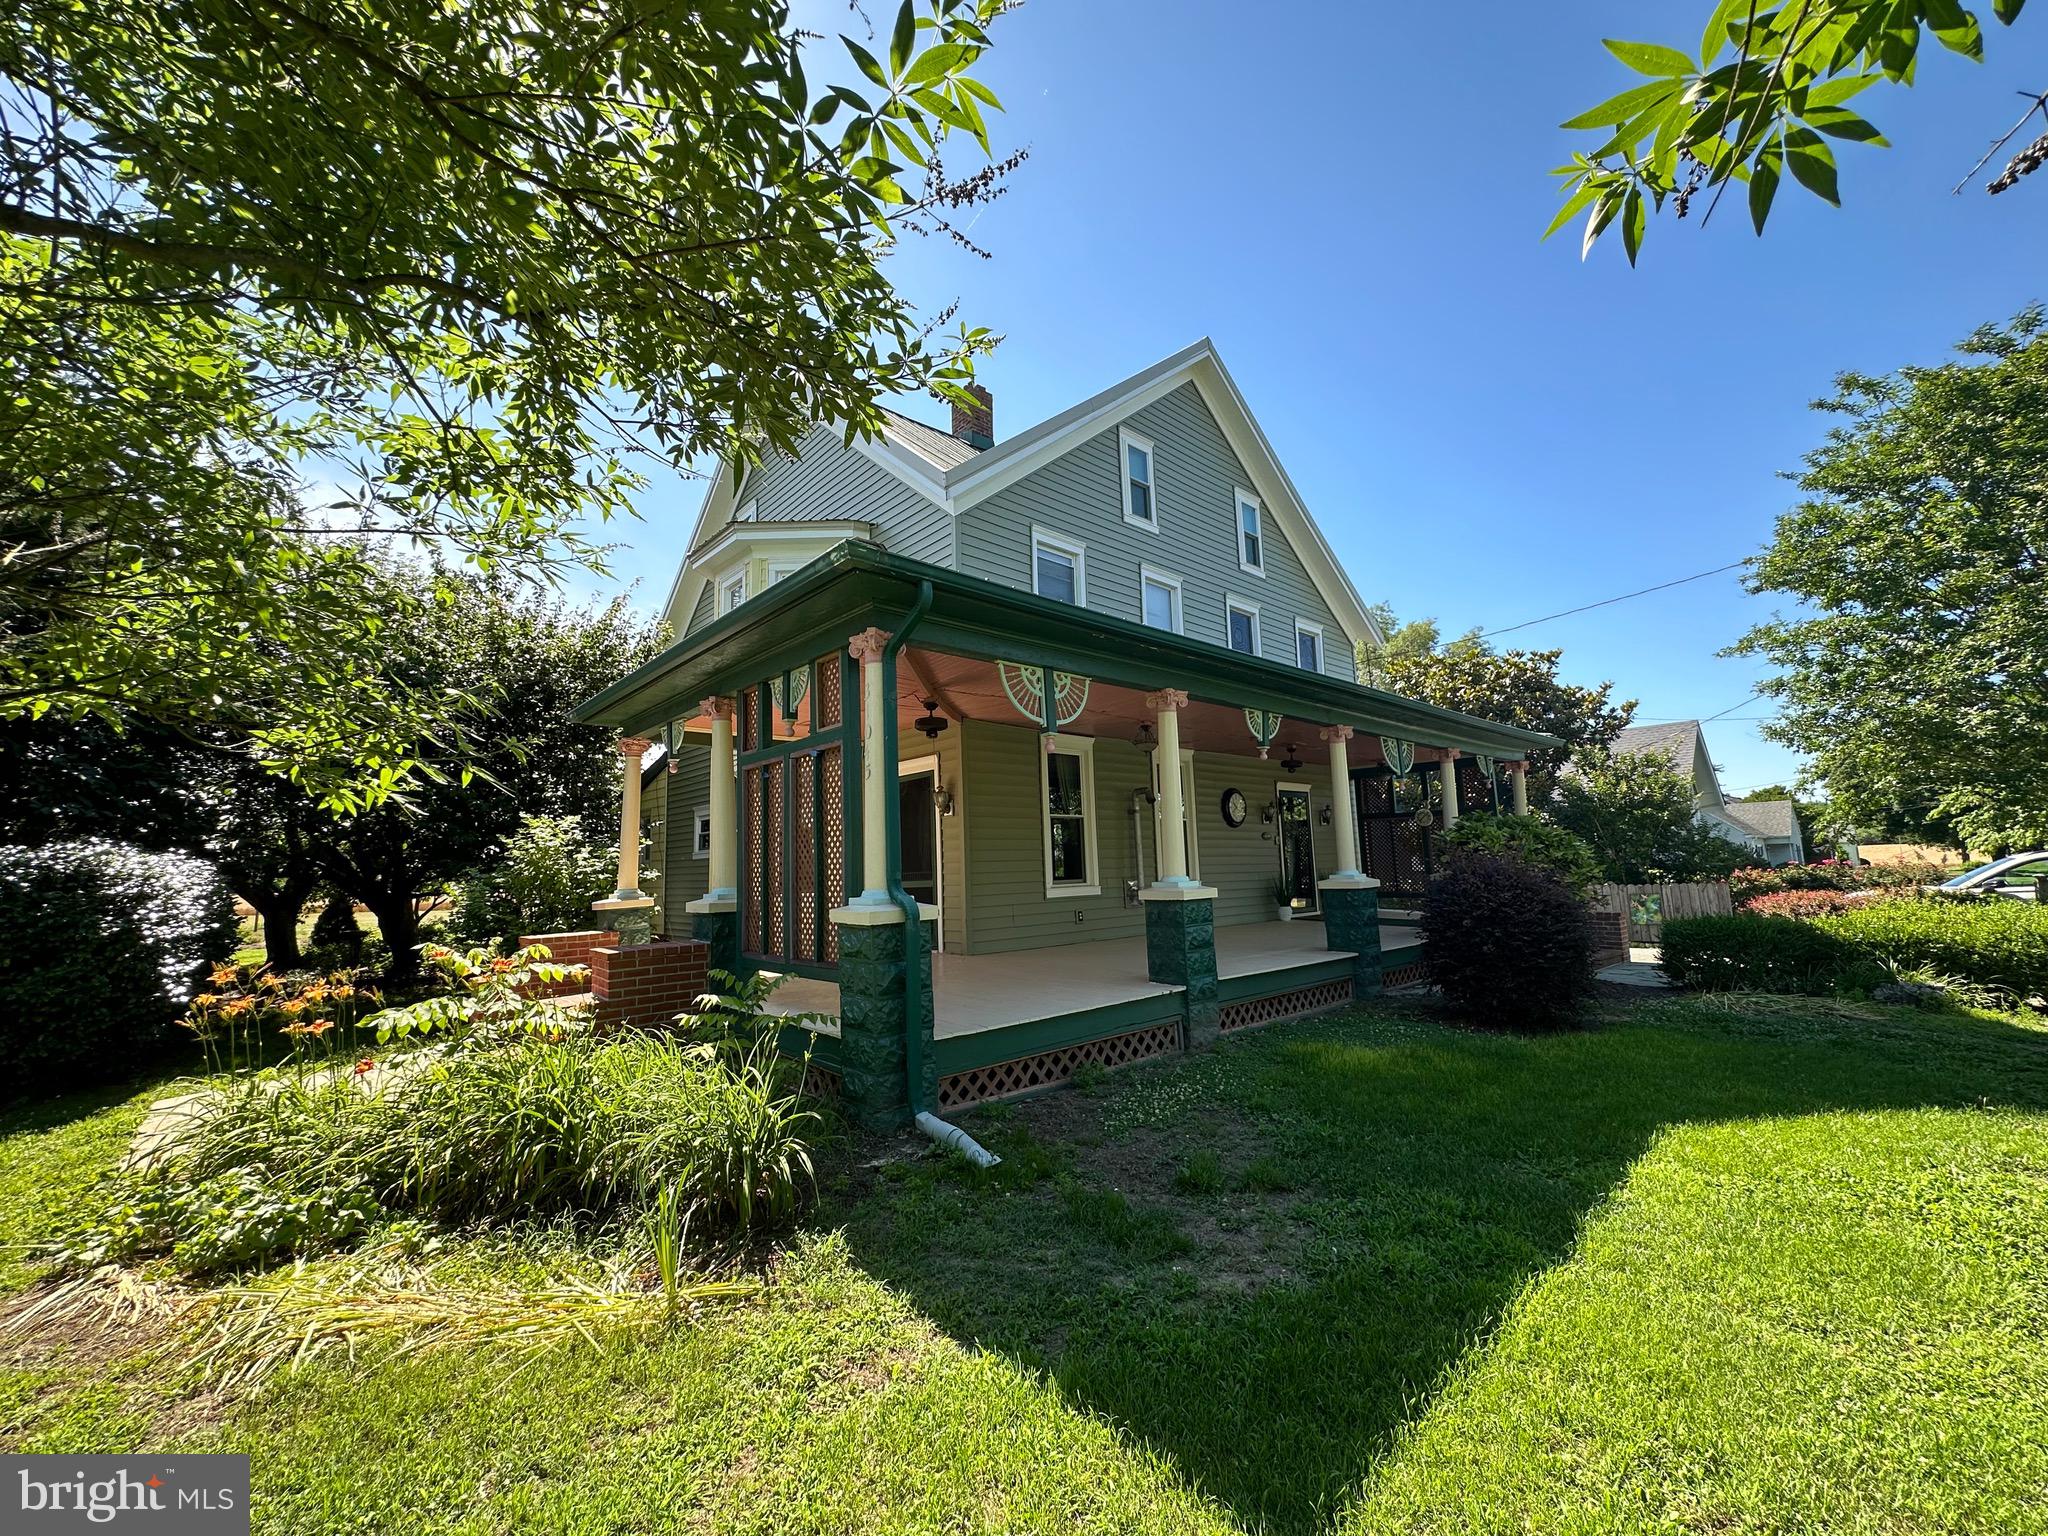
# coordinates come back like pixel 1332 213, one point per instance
pixel 1297 846
pixel 915 800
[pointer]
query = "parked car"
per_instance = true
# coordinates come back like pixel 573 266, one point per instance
pixel 2014 876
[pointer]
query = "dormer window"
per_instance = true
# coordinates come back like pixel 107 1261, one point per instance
pixel 1251 542
pixel 1141 507
pixel 732 591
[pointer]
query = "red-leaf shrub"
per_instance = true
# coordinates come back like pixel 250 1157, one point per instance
pixel 1507 942
pixel 1800 903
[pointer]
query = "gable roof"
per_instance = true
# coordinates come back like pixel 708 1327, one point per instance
pixel 1677 741
pixel 956 476
pixel 1766 818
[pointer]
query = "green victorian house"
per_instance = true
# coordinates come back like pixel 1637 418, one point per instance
pixel 1018 755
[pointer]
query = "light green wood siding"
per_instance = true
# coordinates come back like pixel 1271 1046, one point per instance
pixel 707 601
pixel 684 876
pixel 1196 477
pixel 1007 907
pixel 1241 862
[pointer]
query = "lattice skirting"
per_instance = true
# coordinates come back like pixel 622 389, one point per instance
pixel 1254 1011
pixel 1051 1067
pixel 820 1083
pixel 1411 974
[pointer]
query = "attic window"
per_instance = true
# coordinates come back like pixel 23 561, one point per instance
pixel 1140 506
pixel 1057 568
pixel 733 591
pixel 1251 543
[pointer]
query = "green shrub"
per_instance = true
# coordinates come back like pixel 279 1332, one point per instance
pixel 1798 903
pixel 100 947
pixel 1532 840
pixel 544 882
pixel 1506 942
pixel 337 938
pixel 1749 952
pixel 2000 945
pixel 536 1126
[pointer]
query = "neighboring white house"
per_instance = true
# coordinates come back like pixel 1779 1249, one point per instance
pixel 1767 828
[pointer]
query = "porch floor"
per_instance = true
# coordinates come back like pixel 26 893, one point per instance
pixel 973 993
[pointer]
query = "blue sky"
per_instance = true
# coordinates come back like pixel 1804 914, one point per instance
pixel 1487 429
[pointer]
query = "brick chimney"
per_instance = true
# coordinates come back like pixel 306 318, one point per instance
pixel 977 427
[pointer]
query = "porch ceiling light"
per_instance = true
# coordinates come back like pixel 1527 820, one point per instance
pixel 931 722
pixel 1290 763
pixel 1146 742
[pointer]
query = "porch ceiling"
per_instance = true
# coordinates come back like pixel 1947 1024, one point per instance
pixel 976 621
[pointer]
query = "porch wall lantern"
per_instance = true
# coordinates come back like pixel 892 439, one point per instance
pixel 942 800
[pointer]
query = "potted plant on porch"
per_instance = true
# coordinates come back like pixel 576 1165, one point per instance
pixel 1283 896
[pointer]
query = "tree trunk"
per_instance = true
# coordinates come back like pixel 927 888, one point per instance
pixel 280 913
pixel 398 921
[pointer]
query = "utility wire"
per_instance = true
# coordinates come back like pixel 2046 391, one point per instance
pixel 1608 601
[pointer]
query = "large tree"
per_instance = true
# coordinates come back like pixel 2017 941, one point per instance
pixel 1635 811
pixel 1917 680
pixel 1514 687
pixel 514 663
pixel 1760 101
pixel 271 269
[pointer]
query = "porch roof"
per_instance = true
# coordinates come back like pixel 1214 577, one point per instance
pixel 856 584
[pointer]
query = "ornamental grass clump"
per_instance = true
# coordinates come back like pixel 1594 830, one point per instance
pixel 1507 943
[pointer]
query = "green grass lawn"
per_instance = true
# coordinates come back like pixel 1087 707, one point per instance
pixel 1712 1266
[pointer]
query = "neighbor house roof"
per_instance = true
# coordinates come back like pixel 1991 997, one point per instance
pixel 1766 818
pixel 1676 740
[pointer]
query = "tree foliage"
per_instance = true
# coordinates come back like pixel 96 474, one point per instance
pixel 1519 688
pixel 271 269
pixel 1918 682
pixel 1767 92
pixel 1635 811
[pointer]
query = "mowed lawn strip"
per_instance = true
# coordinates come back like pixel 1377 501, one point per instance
pixel 1714 1265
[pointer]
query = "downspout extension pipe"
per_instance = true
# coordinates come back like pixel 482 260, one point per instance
pixel 916 957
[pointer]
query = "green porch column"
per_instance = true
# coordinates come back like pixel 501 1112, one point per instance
pixel 1180 951
pixel 1351 918
pixel 715 916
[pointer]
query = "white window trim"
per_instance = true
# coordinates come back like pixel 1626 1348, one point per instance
pixel 1126 440
pixel 1082 747
pixel 1163 579
pixel 1187 810
pixel 700 827
pixel 1250 609
pixel 1306 627
pixel 1061 544
pixel 1241 500
pixel 726 579
pixel 778 569
pixel 747 513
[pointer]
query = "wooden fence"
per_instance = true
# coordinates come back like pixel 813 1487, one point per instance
pixel 1648 905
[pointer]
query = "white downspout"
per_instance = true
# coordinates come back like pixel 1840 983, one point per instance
pixel 952 1136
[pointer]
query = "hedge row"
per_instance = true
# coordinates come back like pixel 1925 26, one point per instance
pixel 2001 945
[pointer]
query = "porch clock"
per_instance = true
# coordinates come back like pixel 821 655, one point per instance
pixel 1234 807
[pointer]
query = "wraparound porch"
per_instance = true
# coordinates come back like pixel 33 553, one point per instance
pixel 974 994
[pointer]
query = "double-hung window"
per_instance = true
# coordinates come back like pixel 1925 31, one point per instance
pixel 1058 567
pixel 700 834
pixel 1241 621
pixel 1159 599
pixel 1141 506
pixel 1308 645
pixel 1251 540
pixel 1069 817
pixel 733 592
